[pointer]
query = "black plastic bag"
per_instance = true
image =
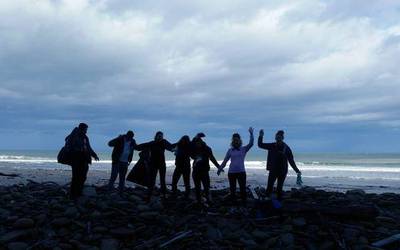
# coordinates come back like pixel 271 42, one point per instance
pixel 139 173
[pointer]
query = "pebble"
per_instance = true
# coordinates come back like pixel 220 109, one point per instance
pixel 17 246
pixel 23 223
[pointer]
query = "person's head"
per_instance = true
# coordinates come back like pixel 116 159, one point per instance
pixel 159 136
pixel 280 136
pixel 130 134
pixel 83 127
pixel 184 141
pixel 236 141
pixel 197 141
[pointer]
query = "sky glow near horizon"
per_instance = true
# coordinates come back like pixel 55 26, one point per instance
pixel 327 72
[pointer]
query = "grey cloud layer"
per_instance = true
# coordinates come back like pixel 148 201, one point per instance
pixel 199 65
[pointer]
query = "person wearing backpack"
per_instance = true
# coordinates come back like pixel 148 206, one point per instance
pixel 122 155
pixel 279 154
pixel 81 154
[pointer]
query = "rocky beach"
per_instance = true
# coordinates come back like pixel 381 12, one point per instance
pixel 40 216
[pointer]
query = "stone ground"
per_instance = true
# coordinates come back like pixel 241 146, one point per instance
pixel 40 216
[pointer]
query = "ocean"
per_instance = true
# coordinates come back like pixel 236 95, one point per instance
pixel 371 172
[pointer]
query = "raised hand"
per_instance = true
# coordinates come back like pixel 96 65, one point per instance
pixel 251 130
pixel 261 132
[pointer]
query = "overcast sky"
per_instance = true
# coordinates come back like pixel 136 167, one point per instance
pixel 327 72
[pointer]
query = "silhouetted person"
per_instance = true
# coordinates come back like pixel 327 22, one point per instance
pixel 122 155
pixel 279 154
pixel 201 155
pixel 157 149
pixel 81 155
pixel 182 164
pixel 237 172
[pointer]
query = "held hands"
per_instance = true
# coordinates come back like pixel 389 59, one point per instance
pixel 261 132
pixel 219 171
pixel 299 180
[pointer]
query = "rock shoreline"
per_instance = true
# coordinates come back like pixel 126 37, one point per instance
pixel 40 216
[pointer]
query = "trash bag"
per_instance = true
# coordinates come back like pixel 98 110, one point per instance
pixel 64 156
pixel 140 173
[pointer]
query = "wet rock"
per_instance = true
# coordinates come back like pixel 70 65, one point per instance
pixel 65 246
pixel 383 219
pixel 17 246
pixel 89 191
pixel 359 192
pixel 327 245
pixel 122 232
pixel 299 222
pixel 60 222
pixel 287 239
pixel 143 208
pixel 12 236
pixel 23 223
pixel 350 234
pixel 213 233
pixel 100 229
pixel 249 243
pixel 71 212
pixel 109 244
pixel 149 215
pixel 260 236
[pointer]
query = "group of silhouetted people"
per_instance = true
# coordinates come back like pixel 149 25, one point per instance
pixel 152 156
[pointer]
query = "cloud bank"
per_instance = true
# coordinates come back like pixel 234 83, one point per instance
pixel 325 71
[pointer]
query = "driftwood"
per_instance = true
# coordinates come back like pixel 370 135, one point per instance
pixel 254 193
pixel 178 236
pixel 9 175
pixel 387 241
pixel 150 243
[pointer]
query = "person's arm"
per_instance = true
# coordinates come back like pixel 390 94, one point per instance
pixel 261 144
pixel 212 158
pixel 142 146
pixel 292 162
pixel 226 159
pixel 114 141
pixel 92 153
pixel 251 141
pixel 168 146
pixel 132 149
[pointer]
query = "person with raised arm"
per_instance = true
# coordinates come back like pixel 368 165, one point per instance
pixel 202 155
pixel 122 155
pixel 237 172
pixel 156 149
pixel 279 154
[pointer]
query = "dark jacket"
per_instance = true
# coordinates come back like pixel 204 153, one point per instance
pixel 79 146
pixel 157 151
pixel 182 155
pixel 278 156
pixel 118 145
pixel 202 157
